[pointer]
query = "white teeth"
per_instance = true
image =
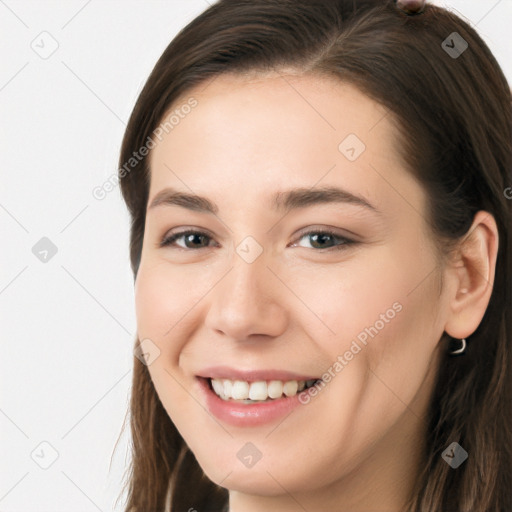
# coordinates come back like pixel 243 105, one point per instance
pixel 290 388
pixel 275 389
pixel 217 386
pixel 227 386
pixel 259 390
pixel 240 390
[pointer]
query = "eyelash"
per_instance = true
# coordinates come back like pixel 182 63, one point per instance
pixel 171 239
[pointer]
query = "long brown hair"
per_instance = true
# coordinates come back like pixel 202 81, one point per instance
pixel 453 107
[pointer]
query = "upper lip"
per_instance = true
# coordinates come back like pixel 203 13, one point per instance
pixel 226 372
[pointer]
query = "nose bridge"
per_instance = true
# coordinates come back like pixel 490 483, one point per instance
pixel 249 275
pixel 247 286
pixel 248 279
pixel 247 300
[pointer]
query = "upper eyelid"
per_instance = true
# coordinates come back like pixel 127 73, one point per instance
pixel 302 232
pixel 319 227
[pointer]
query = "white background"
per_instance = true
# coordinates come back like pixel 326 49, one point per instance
pixel 68 325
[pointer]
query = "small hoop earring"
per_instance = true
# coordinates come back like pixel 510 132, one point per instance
pixel 460 350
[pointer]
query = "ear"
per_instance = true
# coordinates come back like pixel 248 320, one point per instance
pixel 470 276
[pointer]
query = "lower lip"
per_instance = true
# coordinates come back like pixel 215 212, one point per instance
pixel 246 415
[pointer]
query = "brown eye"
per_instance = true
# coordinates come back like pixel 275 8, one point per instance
pixel 323 239
pixel 194 238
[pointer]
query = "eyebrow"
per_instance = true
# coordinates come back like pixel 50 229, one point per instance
pixel 282 201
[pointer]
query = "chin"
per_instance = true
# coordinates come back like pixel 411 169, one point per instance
pixel 264 479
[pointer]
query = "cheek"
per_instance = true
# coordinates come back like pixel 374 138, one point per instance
pixel 163 311
pixel 164 298
pixel 348 302
pixel 384 309
pixel 159 307
pixel 152 300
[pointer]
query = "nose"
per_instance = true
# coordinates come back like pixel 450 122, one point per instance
pixel 248 302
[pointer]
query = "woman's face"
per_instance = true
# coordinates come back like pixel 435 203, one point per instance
pixel 262 294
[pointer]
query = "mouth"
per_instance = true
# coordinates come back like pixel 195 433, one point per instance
pixel 254 397
pixel 253 403
pixel 254 392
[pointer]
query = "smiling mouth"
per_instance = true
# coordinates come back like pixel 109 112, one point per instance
pixel 259 391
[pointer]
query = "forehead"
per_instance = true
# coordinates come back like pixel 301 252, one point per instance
pixel 280 113
pixel 261 133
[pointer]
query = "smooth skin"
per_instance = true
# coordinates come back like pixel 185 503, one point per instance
pixel 356 446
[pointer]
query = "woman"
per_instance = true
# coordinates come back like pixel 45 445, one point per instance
pixel 321 249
